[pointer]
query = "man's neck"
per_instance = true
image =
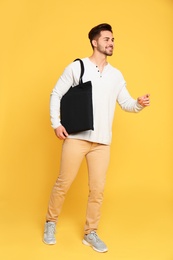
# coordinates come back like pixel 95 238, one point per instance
pixel 99 60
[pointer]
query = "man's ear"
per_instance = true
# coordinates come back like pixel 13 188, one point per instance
pixel 94 43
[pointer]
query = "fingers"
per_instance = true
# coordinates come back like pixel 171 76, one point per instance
pixel 144 100
pixel 61 133
pixel 65 132
pixel 61 136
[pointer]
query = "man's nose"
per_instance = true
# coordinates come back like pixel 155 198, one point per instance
pixel 111 44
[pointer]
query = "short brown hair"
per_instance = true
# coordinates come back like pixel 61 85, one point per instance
pixel 95 31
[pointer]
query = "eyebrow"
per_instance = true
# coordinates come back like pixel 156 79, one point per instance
pixel 108 38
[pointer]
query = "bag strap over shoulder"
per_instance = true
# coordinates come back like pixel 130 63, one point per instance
pixel 82 70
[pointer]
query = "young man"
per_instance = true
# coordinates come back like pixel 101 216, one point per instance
pixel 108 86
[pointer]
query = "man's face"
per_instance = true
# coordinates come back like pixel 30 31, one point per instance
pixel 105 43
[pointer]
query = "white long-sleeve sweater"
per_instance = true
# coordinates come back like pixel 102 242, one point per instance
pixel 107 88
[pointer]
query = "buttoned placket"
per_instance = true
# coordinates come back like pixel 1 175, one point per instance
pixel 100 73
pixel 103 71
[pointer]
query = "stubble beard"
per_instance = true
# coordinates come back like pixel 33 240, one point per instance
pixel 105 51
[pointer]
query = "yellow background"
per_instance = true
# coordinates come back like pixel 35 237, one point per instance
pixel 38 39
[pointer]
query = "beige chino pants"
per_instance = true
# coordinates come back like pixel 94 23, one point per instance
pixel 97 157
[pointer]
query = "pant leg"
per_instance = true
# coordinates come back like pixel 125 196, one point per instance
pixel 97 161
pixel 73 152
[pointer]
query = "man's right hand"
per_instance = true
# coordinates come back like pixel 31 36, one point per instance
pixel 61 132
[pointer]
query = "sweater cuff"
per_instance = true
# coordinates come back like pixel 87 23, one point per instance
pixel 138 106
pixel 56 125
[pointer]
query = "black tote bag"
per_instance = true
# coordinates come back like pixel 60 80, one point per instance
pixel 76 108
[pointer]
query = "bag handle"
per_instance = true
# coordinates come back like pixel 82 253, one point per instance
pixel 82 71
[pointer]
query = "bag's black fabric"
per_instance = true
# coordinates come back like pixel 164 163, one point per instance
pixel 76 107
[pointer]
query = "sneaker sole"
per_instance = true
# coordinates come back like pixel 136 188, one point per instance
pixel 51 243
pixel 88 244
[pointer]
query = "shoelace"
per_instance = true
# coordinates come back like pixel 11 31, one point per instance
pixel 96 237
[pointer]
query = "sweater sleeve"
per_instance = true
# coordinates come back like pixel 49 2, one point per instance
pixel 126 102
pixel 62 86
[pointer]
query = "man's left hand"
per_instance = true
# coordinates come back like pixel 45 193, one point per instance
pixel 144 100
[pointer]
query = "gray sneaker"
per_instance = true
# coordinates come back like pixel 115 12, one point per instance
pixel 49 233
pixel 95 242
